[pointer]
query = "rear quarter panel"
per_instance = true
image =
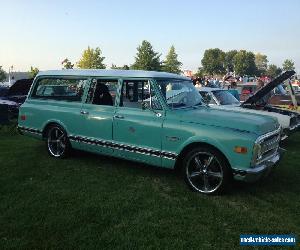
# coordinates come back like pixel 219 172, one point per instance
pixel 40 112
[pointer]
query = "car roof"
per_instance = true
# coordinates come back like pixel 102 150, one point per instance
pixel 208 89
pixel 111 73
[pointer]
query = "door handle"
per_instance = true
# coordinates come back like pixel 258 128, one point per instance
pixel 84 112
pixel 119 117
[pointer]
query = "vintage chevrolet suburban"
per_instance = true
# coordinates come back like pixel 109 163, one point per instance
pixel 152 117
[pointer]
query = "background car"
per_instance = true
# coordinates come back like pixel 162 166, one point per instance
pixel 222 99
pixel 18 91
pixel 11 98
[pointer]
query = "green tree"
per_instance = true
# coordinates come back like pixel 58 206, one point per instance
pixel 91 59
pixel 200 72
pixel 244 63
pixel 33 72
pixel 213 61
pixel 288 65
pixel 124 67
pixel 273 71
pixel 171 64
pixel 261 62
pixel 67 64
pixel 2 74
pixel 228 63
pixel 146 58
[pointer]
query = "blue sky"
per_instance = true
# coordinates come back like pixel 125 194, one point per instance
pixel 43 33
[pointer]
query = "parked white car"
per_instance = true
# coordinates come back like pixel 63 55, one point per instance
pixel 223 99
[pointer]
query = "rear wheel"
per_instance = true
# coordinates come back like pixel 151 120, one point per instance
pixel 205 170
pixel 58 144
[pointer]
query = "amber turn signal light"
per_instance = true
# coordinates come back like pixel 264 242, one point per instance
pixel 240 150
pixel 23 117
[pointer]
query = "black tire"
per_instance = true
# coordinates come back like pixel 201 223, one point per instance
pixel 57 142
pixel 205 170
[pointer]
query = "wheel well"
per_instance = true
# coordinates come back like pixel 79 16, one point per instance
pixel 49 125
pixel 191 146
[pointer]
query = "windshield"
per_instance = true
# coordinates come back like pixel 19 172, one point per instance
pixel 225 98
pixel 179 93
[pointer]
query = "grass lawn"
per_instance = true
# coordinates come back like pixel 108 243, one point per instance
pixel 94 202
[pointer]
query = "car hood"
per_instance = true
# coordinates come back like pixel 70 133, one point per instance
pixel 241 121
pixel 268 88
pixel 20 87
pixel 284 120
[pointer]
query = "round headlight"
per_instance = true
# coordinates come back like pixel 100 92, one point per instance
pixel 258 151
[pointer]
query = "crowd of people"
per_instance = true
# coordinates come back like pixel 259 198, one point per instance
pixel 228 82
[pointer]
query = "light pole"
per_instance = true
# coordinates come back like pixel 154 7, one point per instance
pixel 10 70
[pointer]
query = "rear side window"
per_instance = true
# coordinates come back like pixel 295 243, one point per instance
pixel 60 89
pixel 103 92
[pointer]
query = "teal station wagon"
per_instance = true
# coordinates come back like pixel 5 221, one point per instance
pixel 151 117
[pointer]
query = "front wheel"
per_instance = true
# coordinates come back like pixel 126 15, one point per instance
pixel 206 170
pixel 57 142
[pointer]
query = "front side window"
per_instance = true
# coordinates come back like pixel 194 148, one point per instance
pixel 60 89
pixel 137 92
pixel 179 93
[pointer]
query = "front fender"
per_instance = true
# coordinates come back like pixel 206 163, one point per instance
pixel 225 143
pixel 207 140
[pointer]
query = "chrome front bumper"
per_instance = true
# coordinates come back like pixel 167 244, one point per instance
pixel 292 129
pixel 259 171
pixel 288 131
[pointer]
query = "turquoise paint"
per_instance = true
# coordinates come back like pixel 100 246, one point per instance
pixel 169 133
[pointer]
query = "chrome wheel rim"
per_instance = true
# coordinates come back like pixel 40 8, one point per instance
pixel 56 142
pixel 204 172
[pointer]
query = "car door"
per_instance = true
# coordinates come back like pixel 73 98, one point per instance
pixel 97 114
pixel 137 123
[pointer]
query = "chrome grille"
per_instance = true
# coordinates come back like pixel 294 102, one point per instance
pixel 270 145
